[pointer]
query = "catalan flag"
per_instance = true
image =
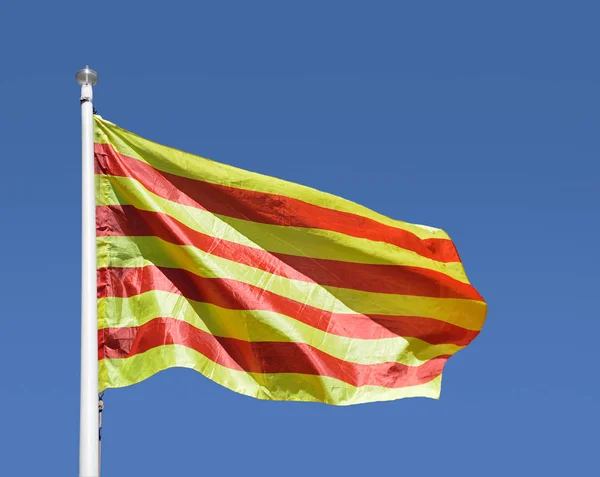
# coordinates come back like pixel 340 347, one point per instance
pixel 272 289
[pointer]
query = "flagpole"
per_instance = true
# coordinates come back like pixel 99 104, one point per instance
pixel 88 411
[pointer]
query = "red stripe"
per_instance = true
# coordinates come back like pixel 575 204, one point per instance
pixel 263 207
pixel 261 357
pixel 126 220
pixel 235 295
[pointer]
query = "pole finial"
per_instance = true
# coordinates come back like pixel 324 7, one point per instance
pixel 87 76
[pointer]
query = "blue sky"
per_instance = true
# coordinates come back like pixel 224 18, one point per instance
pixel 477 117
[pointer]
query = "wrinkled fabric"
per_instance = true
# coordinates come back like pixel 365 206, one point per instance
pixel 272 289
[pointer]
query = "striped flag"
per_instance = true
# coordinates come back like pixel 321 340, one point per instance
pixel 270 288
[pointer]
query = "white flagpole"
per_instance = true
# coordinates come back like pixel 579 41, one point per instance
pixel 88 411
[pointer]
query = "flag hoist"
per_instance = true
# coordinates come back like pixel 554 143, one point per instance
pixel 272 289
pixel 89 465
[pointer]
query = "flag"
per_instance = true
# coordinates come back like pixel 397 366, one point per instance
pixel 269 288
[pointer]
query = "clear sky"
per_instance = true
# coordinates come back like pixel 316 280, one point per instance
pixel 480 118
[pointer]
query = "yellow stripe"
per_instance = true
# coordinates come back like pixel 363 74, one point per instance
pixel 263 326
pixel 120 372
pixel 132 252
pixel 198 168
pixel 298 241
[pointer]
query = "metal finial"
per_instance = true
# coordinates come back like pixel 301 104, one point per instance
pixel 87 76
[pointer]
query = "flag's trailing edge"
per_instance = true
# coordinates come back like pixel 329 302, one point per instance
pixel 272 289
